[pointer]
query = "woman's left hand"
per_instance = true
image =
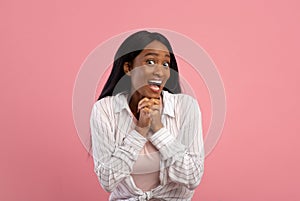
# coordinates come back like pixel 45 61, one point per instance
pixel 155 114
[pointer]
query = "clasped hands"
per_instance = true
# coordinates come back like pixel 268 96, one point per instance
pixel 149 115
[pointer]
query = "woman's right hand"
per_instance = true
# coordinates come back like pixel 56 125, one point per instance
pixel 144 122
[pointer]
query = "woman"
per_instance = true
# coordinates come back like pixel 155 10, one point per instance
pixel 146 135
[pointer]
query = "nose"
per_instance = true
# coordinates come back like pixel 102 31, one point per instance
pixel 158 70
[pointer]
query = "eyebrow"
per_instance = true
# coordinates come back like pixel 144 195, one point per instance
pixel 155 54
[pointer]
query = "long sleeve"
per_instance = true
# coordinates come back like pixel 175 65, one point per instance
pixel 183 155
pixel 112 163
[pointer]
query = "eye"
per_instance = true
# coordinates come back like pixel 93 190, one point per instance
pixel 166 64
pixel 150 62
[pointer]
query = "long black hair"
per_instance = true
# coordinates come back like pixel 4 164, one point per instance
pixel 129 49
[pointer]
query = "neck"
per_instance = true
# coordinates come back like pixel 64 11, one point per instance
pixel 135 98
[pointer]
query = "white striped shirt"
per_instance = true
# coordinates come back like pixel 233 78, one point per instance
pixel 116 146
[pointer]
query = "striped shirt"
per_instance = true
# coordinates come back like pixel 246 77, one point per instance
pixel 116 147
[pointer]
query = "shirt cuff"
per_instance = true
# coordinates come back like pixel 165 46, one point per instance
pixel 166 143
pixel 133 143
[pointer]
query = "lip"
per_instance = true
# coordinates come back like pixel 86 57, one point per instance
pixel 154 88
pixel 155 85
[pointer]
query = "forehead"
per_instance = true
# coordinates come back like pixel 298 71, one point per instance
pixel 157 47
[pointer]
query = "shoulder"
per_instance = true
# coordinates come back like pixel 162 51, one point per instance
pixel 109 104
pixel 103 103
pixel 179 103
pixel 181 99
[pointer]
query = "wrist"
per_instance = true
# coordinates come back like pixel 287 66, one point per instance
pixel 157 128
pixel 142 130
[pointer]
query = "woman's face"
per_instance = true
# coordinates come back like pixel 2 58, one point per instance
pixel 150 70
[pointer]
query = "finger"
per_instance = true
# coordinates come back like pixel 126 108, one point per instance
pixel 143 100
pixel 155 107
pixel 145 110
pixel 155 101
pixel 145 104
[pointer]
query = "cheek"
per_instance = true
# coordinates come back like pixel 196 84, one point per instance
pixel 168 74
pixel 138 75
pixel 138 78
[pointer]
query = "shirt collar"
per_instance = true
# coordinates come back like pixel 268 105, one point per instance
pixel 121 103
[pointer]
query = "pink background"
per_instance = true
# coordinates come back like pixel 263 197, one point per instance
pixel 255 45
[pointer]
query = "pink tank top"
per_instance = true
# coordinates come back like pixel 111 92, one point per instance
pixel 146 169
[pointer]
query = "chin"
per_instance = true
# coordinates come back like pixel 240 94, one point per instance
pixel 146 92
pixel 153 94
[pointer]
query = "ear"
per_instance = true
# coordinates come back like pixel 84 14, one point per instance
pixel 127 68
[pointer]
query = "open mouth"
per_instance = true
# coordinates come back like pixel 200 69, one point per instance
pixel 155 85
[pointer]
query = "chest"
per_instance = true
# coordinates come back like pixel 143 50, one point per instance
pixel 125 122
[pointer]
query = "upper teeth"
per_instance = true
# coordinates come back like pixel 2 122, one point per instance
pixel 155 82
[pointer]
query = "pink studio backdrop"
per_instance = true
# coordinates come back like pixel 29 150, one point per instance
pixel 254 44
